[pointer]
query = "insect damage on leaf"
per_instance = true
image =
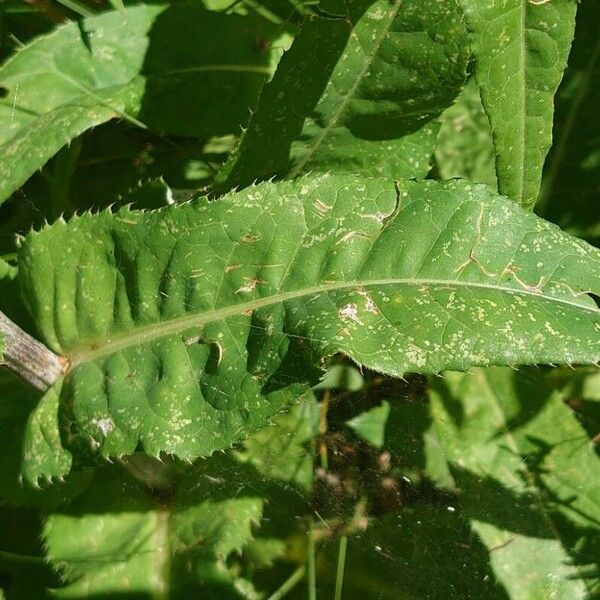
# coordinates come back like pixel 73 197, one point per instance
pixel 189 326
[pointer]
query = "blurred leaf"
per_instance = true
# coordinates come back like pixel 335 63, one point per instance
pixel 356 92
pixel 370 425
pixel 82 75
pixel 521 49
pixel 282 451
pixel 465 148
pixel 527 477
pixel 571 186
pixel 261 553
pixel 341 377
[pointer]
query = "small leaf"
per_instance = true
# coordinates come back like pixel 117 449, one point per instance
pixel 358 91
pixel 370 425
pixel 18 402
pixel 528 479
pixel 169 68
pixel 521 49
pixel 281 452
pixel 43 452
pixel 189 327
pixel 341 377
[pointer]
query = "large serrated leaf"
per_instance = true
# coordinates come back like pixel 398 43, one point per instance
pixel 528 479
pixel 521 49
pixel 170 68
pixel 357 92
pixel 190 326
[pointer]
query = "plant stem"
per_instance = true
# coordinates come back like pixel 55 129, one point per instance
pixel 9 257
pixel 339 578
pixel 21 558
pixel 312 579
pixel 28 358
pixel 289 583
pixel 323 430
pixel 77 7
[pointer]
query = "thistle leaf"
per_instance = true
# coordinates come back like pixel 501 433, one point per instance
pixel 190 326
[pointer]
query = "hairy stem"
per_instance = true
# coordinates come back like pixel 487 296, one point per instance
pixel 28 358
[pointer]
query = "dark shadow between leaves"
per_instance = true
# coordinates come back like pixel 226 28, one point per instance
pixel 533 392
pixel 204 71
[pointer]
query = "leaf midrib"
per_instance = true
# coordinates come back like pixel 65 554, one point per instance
pixel 162 556
pixel 154 331
pixel 523 100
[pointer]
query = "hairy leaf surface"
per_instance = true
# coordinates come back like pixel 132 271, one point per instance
pixel 167 68
pixel 528 479
pixel 189 326
pixel 521 49
pixel 357 92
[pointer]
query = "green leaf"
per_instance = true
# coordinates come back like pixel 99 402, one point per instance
pixel 465 148
pixel 370 425
pixel 341 377
pixel 570 187
pixel 189 327
pixel 117 539
pixel 42 448
pixel 18 407
pixel 169 68
pixel 521 49
pixel 528 479
pixel 281 452
pixel 357 92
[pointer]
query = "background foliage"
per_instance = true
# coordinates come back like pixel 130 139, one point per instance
pixel 377 481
